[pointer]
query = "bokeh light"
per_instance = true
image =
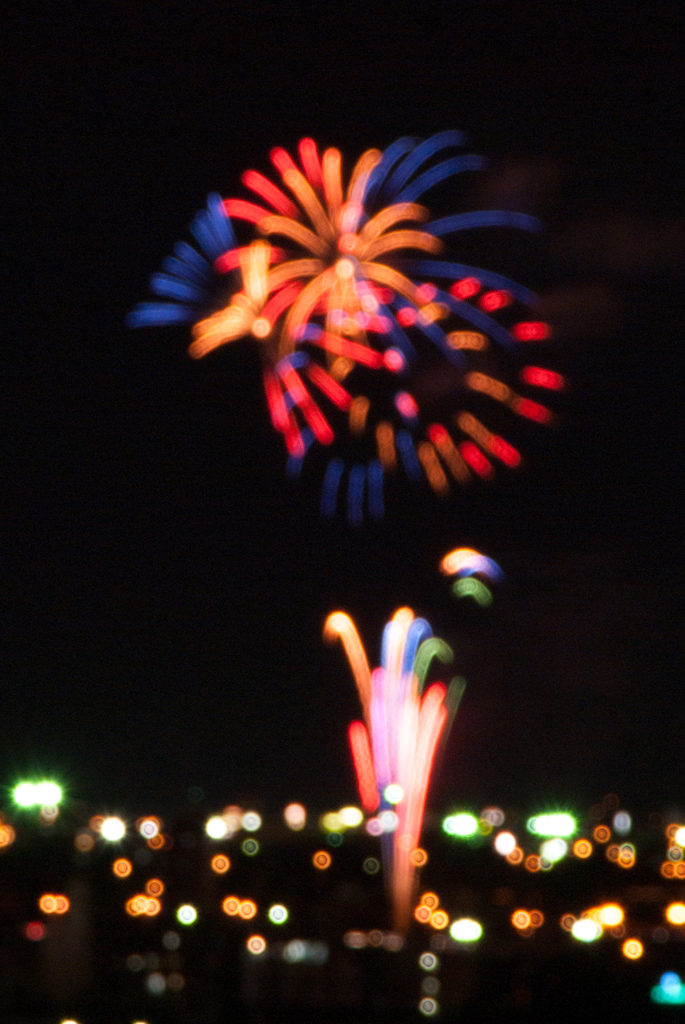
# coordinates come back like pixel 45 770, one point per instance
pixel 675 913
pixel 247 909
pixel 350 817
pixel 466 930
pixel 429 962
pixel 462 824
pixel 256 945
pixel 112 829
pixel 554 850
pixel 220 864
pixel 149 827
pixel 295 817
pixel 231 906
pixel 610 915
pixel 186 914
pixel 504 843
pixel 251 821
pixel 29 794
pixel 278 914
pixel 557 824
pixel 321 860
pixel 632 949
pixel 586 930
pixel 122 867
pixel 216 827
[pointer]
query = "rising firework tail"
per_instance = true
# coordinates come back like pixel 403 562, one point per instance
pixel 394 749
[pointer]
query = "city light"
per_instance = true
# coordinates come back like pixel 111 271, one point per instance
pixel 220 864
pixel 466 930
pixel 41 794
pixel 504 843
pixel 278 914
pixel 186 914
pixel 295 817
pixel 216 827
pixel 670 991
pixel 675 913
pixel 251 821
pixel 610 915
pixel 350 817
pixel 558 824
pixel 463 825
pixel 586 930
pixel 554 850
pixel 112 829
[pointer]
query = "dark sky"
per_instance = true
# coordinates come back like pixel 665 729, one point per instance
pixel 164 587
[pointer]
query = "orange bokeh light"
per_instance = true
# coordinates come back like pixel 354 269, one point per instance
pixel 247 909
pixel 633 949
pixel 582 848
pixel 220 864
pixel 231 906
pixel 122 867
pixel 321 860
pixel 51 904
pixel 154 887
pixel 521 919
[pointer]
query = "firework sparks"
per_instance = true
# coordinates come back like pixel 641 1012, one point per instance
pixel 394 748
pixel 332 313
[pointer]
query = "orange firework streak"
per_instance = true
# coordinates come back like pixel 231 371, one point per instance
pixel 398 743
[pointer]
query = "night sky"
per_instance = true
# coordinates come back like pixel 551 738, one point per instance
pixel 164 585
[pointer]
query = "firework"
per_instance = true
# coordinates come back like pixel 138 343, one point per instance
pixel 467 564
pixel 394 748
pixel 344 315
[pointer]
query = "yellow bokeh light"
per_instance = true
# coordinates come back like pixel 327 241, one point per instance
pixel 610 915
pixel 633 949
pixel 675 913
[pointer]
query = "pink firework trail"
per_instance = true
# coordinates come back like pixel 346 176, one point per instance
pixel 394 748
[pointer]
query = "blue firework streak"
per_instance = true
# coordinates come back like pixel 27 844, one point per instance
pixel 345 316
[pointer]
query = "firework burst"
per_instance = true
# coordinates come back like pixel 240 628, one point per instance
pixel 345 316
